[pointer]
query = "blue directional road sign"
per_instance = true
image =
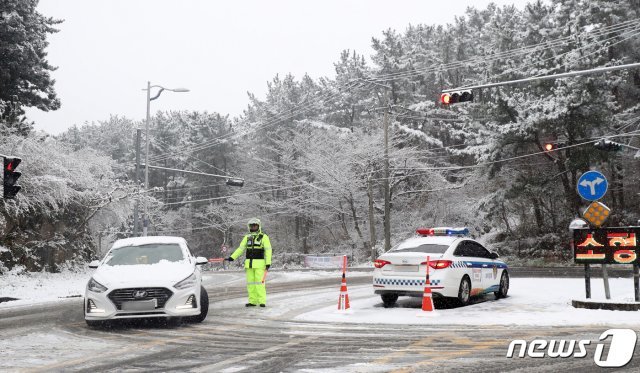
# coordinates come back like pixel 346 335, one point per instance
pixel 592 185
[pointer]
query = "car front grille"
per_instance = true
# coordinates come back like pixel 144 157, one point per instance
pixel 127 295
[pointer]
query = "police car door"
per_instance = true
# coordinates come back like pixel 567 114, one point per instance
pixel 487 264
pixel 468 256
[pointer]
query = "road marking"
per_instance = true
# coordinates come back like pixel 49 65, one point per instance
pixel 435 351
pixel 127 349
pixel 253 355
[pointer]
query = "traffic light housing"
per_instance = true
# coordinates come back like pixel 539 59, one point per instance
pixel 456 96
pixel 552 146
pixel 11 177
pixel 607 145
pixel 235 182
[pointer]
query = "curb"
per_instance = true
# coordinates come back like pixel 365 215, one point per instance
pixel 605 306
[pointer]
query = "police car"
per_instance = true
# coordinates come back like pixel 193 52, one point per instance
pixel 459 267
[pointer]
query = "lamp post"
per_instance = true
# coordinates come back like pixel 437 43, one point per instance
pixel 145 216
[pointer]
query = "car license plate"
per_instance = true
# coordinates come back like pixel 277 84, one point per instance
pixel 406 268
pixel 140 305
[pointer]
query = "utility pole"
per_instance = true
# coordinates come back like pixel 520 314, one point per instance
pixel 372 223
pixel 387 182
pixel 137 205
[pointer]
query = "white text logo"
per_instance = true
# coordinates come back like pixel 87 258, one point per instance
pixel 621 347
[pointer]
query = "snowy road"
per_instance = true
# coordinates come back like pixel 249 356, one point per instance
pixel 301 331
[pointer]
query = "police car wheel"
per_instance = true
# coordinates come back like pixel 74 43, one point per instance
pixel 504 286
pixel 389 299
pixel 464 291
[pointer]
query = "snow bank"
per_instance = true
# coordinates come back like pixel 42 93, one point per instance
pixel 38 287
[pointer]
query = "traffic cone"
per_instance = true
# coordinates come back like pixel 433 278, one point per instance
pixel 343 300
pixel 427 298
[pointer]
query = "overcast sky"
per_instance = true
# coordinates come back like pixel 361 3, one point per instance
pixel 107 50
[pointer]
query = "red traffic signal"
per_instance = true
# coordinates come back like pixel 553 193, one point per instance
pixel 553 146
pixel 11 177
pixel 455 97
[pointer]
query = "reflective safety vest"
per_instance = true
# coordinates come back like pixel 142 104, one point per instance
pixel 255 247
pixel 258 250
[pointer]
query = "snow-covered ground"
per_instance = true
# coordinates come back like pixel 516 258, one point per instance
pixel 531 301
pixel 41 287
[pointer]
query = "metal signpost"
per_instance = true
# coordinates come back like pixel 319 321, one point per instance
pixel 592 186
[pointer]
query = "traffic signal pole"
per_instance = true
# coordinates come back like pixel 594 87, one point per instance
pixel 598 70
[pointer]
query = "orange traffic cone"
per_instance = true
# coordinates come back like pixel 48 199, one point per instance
pixel 427 298
pixel 343 301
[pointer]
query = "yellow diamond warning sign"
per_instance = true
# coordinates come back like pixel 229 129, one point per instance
pixel 596 213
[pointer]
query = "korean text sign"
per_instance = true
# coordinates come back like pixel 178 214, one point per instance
pixel 606 245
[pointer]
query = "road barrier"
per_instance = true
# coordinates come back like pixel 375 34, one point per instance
pixel 326 261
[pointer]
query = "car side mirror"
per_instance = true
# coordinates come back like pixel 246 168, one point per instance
pixel 94 264
pixel 201 260
pixel 494 255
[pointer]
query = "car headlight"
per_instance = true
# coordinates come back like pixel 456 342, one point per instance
pixel 187 282
pixel 95 286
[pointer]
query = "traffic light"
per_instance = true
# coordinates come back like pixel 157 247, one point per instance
pixel 235 182
pixel 607 145
pixel 11 177
pixel 455 97
pixel 551 146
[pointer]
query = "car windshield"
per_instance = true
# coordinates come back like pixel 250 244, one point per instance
pixel 424 248
pixel 145 254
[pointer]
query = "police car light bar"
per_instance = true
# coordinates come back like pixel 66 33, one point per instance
pixel 442 231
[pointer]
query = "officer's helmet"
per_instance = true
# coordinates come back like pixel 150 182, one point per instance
pixel 254 225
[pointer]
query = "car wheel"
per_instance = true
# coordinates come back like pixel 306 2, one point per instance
pixel 504 286
pixel 389 299
pixel 204 306
pixel 464 292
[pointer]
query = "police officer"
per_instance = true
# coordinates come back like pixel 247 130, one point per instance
pixel 257 261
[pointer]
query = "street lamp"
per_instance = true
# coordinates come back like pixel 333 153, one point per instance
pixel 145 218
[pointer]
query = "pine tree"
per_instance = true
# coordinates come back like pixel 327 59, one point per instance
pixel 25 79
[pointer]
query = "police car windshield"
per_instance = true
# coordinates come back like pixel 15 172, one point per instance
pixel 424 248
pixel 145 254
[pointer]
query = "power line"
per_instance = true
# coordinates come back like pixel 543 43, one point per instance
pixel 526 50
pixel 300 108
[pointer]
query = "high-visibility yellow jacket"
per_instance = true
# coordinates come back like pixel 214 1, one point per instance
pixel 258 248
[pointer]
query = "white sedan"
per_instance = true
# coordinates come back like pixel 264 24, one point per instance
pixel 459 267
pixel 146 277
